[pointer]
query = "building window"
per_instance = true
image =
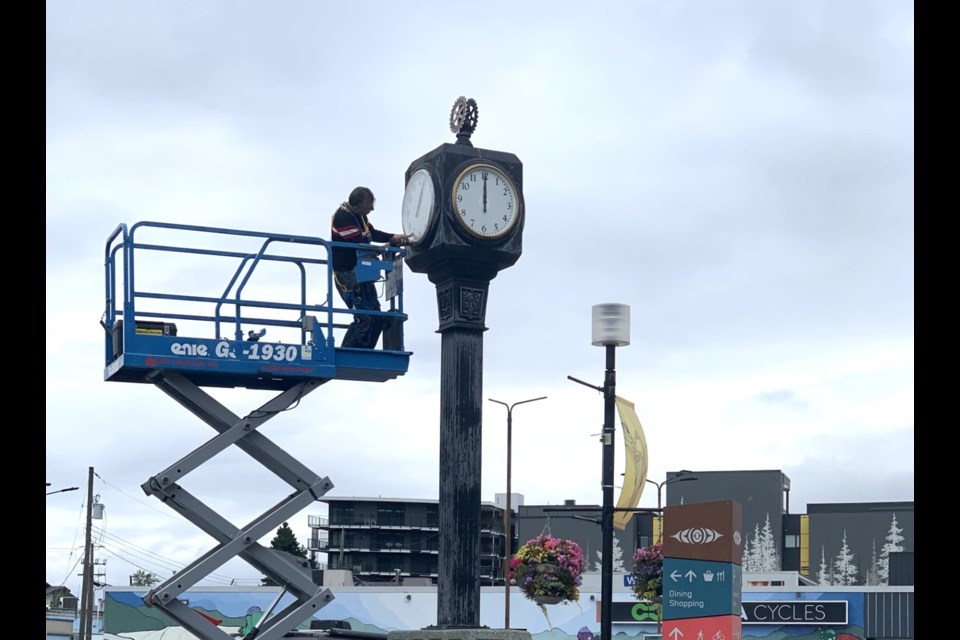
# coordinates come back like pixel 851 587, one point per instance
pixel 341 514
pixel 391 515
pixel 791 541
pixel 391 540
pixel 423 565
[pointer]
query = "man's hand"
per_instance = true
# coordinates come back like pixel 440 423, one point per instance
pixel 400 239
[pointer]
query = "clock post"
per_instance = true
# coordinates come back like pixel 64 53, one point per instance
pixel 463 207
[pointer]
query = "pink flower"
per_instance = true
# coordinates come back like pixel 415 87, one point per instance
pixel 564 556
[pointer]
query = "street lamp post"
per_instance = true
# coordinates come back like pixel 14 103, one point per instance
pixel 611 329
pixel 682 476
pixel 506 512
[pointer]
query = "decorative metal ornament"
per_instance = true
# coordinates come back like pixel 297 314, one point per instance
pixel 463 117
pixel 457 114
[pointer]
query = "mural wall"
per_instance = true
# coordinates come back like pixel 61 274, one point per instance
pixel 770 614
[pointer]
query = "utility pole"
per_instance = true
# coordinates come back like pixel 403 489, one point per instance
pixel 86 589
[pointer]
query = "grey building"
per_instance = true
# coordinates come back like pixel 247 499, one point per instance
pixel 397 540
pixel 804 540
pixel 764 497
pixel 801 539
pixel 866 527
pixel 581 523
pixel 386 539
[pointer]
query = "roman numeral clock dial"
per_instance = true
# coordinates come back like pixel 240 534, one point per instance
pixel 485 201
pixel 418 209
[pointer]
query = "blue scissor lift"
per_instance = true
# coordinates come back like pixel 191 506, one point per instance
pixel 189 307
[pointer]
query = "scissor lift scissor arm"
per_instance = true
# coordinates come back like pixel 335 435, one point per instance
pixel 143 347
pixel 237 541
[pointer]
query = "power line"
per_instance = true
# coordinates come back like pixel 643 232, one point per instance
pixel 132 554
pixel 165 512
pixel 76 533
pixel 119 546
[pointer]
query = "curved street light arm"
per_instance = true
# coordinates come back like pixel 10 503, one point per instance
pixel 50 493
pixel 506 512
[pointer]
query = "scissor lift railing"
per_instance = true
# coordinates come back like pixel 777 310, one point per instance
pixel 143 344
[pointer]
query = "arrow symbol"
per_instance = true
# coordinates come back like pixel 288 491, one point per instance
pixel 674 575
pixel 676 633
pixel 690 575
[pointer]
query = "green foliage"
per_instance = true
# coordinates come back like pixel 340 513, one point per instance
pixel 648 573
pixel 285 540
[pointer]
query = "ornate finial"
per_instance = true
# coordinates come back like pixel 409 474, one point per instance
pixel 463 119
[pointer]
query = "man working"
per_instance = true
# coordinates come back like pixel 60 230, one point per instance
pixel 350 224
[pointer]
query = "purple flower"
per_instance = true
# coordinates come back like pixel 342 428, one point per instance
pixel 648 572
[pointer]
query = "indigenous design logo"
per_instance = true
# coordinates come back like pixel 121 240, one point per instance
pixel 697 535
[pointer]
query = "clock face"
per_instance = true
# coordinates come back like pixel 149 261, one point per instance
pixel 418 205
pixel 485 201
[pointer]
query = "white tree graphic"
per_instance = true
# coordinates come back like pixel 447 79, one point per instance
pixel 844 568
pixel 617 558
pixel 760 551
pixel 766 550
pixel 823 575
pixel 892 543
pixel 873 569
pixel 751 553
pixel 747 562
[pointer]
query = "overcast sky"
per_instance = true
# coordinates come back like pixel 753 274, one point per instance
pixel 740 173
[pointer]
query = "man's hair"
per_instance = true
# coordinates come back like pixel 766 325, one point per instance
pixel 358 195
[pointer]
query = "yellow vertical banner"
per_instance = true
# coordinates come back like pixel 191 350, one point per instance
pixel 635 455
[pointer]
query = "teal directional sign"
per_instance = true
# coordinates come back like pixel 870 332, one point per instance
pixel 699 588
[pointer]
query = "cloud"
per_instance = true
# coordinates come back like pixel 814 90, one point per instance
pixel 740 174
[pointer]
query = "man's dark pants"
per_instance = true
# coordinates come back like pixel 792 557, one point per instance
pixel 364 331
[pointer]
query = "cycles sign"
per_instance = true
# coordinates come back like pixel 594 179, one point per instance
pixel 779 612
pixel 795 612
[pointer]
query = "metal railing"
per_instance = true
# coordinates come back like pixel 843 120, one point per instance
pixel 244 264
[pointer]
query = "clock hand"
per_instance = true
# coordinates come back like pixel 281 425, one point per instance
pixel 419 201
pixel 484 193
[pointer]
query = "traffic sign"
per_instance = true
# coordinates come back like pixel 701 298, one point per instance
pixel 697 589
pixel 715 628
pixel 704 531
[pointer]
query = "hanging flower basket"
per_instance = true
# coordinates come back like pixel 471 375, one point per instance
pixel 648 573
pixel 548 570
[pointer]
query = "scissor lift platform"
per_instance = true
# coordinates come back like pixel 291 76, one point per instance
pixel 142 326
pixel 195 306
pixel 243 365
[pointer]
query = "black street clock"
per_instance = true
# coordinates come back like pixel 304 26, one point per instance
pixel 463 208
pixel 463 205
